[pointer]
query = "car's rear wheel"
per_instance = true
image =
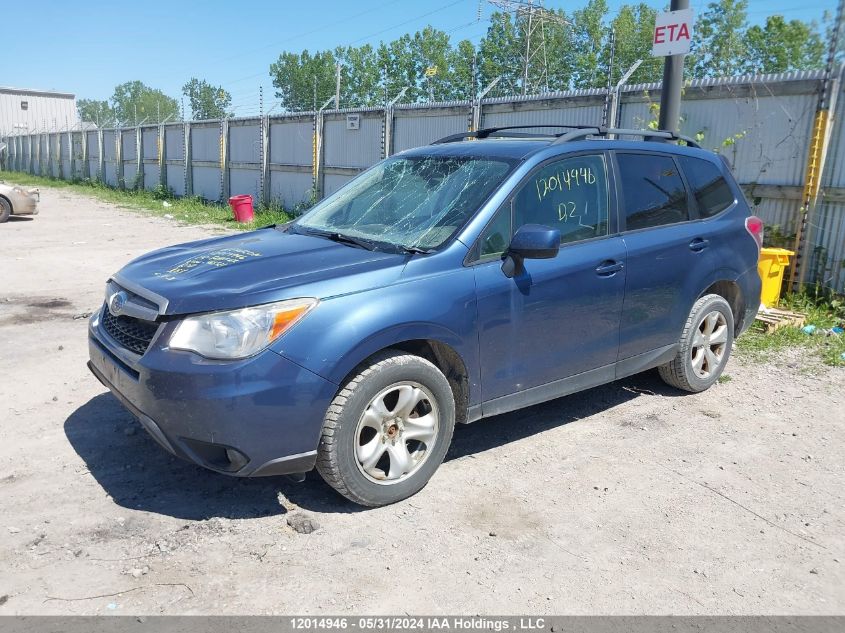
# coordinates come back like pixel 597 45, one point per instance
pixel 387 430
pixel 705 346
pixel 5 210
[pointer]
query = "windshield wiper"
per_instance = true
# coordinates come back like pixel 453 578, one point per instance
pixel 340 238
pixel 414 250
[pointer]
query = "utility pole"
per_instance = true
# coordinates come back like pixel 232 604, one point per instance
pixel 673 82
pixel 534 18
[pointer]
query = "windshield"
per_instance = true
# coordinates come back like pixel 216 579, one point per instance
pixel 409 202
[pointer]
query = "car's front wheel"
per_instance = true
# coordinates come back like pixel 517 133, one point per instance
pixel 5 210
pixel 704 348
pixel 387 430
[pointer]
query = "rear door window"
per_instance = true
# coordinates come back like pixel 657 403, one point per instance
pixel 653 192
pixel 709 187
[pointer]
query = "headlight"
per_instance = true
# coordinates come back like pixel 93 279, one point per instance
pixel 239 333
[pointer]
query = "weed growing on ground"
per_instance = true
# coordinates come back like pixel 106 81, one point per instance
pixel 822 309
pixel 159 201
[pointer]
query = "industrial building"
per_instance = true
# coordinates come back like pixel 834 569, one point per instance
pixel 26 111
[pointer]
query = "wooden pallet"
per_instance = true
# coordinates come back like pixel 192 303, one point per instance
pixel 773 319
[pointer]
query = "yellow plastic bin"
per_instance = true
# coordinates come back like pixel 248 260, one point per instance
pixel 773 261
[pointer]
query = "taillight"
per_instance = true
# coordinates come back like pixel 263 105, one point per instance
pixel 754 226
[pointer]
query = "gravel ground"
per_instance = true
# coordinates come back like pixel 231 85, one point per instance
pixel 626 499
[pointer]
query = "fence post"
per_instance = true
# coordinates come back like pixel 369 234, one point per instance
pixel 161 155
pixel 224 160
pixel 70 154
pixel 30 158
pixel 101 159
pixel 118 153
pixel 83 146
pixel 48 146
pixel 139 158
pixel 189 176
pixel 265 160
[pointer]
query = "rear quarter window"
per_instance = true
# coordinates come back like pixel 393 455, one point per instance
pixel 709 187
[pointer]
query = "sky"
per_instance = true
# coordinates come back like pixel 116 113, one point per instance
pixel 88 47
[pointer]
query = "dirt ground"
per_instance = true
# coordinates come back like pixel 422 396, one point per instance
pixel 627 499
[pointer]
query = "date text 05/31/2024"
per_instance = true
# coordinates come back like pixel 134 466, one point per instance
pixel 420 623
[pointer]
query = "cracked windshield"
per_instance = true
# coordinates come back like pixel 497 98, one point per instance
pixel 410 203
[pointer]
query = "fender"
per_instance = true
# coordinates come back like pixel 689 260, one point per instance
pixel 344 331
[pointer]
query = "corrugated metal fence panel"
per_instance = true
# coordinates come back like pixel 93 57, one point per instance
pixel 353 148
pixel 333 182
pixel 78 165
pixel 291 142
pixel 150 143
pixel 130 159
pixel 151 176
pixel 176 179
pixel 55 155
pixel 245 143
pixel 290 188
pixel 64 145
pixel 834 175
pixel 109 140
pixel 174 138
pixel 205 142
pixel 828 257
pixel 207 182
pixel 521 114
pixel 414 128
pixel 245 181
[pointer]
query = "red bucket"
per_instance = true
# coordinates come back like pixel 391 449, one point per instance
pixel 242 208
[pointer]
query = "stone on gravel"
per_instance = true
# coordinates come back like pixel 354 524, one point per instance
pixel 303 523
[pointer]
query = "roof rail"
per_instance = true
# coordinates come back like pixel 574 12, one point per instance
pixel 493 131
pixel 575 132
pixel 605 131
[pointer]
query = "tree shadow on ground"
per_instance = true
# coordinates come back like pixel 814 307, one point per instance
pixel 140 475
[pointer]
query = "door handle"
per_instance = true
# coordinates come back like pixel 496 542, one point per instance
pixel 608 268
pixel 699 244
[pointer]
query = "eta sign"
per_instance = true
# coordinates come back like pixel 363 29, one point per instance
pixel 672 33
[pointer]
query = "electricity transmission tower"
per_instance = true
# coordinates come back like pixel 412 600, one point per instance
pixel 532 17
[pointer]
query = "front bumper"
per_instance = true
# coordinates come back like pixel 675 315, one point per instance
pixel 255 417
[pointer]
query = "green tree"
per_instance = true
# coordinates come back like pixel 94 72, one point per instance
pixel 780 46
pixel 207 101
pixel 589 42
pixel 718 46
pixel 396 60
pixel 297 76
pixel 463 72
pixel 95 111
pixel 499 54
pixel 633 27
pixel 430 49
pixel 360 77
pixel 133 102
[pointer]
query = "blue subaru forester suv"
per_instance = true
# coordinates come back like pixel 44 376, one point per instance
pixel 484 273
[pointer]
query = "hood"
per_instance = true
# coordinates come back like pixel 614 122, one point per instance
pixel 257 267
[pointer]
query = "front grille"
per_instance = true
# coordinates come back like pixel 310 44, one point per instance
pixel 133 334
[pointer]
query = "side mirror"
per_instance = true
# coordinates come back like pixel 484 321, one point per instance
pixel 531 241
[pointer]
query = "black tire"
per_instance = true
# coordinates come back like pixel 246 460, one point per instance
pixel 680 372
pixel 337 461
pixel 5 210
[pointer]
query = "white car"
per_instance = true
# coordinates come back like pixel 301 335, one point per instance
pixel 16 200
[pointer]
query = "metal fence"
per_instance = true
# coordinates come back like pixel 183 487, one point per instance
pixel 761 123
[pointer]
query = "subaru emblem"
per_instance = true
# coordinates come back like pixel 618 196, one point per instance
pixel 117 302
